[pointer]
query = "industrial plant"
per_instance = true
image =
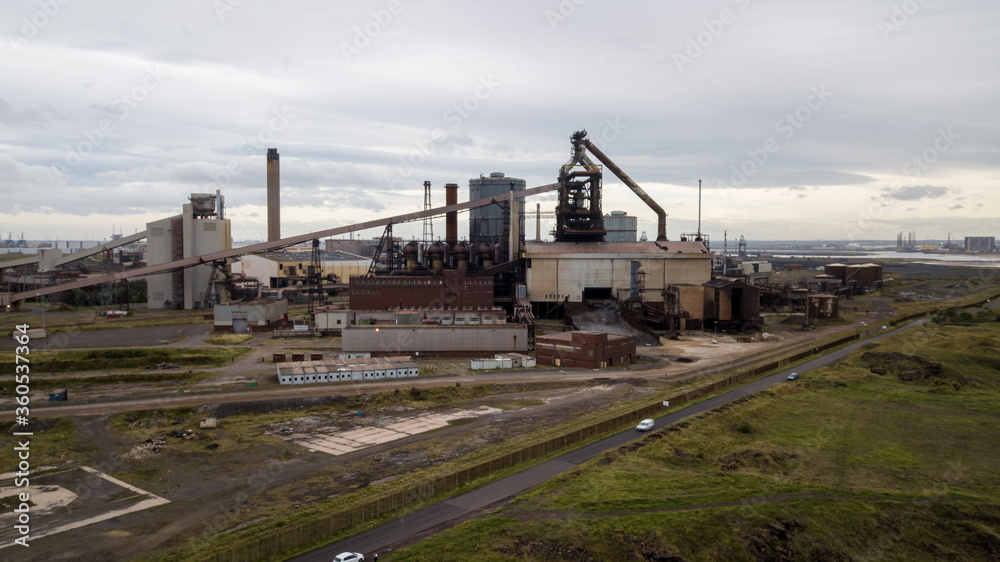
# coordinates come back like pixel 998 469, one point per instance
pixel 466 294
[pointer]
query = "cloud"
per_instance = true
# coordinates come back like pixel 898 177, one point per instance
pixel 956 207
pixel 915 192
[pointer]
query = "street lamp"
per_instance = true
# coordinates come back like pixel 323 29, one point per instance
pixel 715 337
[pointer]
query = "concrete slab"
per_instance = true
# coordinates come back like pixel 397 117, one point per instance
pixel 341 442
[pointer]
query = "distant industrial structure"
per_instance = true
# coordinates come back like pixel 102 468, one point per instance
pixel 478 293
pixel 620 227
pixel 980 244
pixel 285 268
pixel 273 196
pixel 200 229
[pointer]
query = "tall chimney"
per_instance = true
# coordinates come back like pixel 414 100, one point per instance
pixel 273 199
pixel 451 218
pixel 538 222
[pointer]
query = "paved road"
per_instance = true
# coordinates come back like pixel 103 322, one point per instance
pixel 443 515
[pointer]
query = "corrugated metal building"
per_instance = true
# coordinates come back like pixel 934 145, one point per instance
pixel 864 276
pixel 250 316
pixel 620 227
pixel 558 271
pixel 283 269
pixel 437 340
pixel 194 232
pixel 588 350
pixel 735 305
pixel 980 244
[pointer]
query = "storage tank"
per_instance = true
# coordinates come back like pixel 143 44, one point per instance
pixel 435 256
pixel 461 255
pixel 410 251
pixel 484 251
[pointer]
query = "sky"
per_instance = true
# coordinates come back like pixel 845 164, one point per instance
pixel 849 120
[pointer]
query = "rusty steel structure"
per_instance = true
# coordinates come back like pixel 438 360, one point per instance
pixel 580 141
pixel 578 213
pixel 181 264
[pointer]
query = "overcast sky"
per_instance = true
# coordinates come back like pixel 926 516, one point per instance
pixel 850 119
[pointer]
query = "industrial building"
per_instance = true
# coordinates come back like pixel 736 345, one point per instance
pixel 250 316
pixel 488 224
pixel 731 304
pixel 345 370
pixel 200 229
pixel 558 272
pixel 824 306
pixel 333 320
pixel 287 268
pixel 435 340
pixel 587 350
pixel 660 281
pixel 503 361
pixel 857 278
pixel 620 227
pixel 453 288
pixel 980 244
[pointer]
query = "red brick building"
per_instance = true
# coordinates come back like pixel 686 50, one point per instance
pixel 589 350
pixel 451 289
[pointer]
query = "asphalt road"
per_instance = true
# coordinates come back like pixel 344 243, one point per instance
pixel 446 514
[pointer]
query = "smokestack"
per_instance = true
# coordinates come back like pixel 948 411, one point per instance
pixel 273 193
pixel 538 222
pixel 451 219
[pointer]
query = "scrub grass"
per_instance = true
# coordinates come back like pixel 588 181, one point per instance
pixel 843 463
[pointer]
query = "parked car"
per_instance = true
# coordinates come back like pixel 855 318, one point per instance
pixel 793 376
pixel 645 425
pixel 350 557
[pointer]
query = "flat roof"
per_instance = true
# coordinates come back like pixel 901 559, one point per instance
pixel 255 302
pixel 651 248
pixel 568 336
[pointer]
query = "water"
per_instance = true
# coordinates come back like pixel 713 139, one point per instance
pixel 967 260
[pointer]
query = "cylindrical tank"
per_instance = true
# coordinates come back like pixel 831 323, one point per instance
pixel 461 255
pixel 410 251
pixel 486 223
pixel 435 256
pixel 485 253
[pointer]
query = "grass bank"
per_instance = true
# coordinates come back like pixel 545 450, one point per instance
pixel 844 463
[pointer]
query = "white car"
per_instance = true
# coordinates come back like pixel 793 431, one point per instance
pixel 645 425
pixel 350 557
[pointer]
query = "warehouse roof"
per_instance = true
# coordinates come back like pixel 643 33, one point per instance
pixel 652 248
